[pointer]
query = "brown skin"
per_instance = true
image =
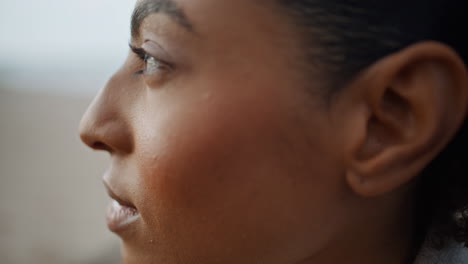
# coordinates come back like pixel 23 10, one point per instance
pixel 229 158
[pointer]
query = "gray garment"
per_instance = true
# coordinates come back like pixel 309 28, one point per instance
pixel 453 253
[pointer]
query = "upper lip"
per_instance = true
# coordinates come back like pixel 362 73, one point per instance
pixel 117 198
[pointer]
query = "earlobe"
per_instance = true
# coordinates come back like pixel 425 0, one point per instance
pixel 416 100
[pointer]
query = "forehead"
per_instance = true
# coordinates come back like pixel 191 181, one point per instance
pixel 178 9
pixel 215 16
pixel 229 14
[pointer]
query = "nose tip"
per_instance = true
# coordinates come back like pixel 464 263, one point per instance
pixel 89 136
pixel 103 127
pixel 105 131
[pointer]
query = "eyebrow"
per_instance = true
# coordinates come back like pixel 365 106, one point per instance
pixel 148 7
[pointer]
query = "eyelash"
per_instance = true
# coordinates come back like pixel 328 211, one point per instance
pixel 144 57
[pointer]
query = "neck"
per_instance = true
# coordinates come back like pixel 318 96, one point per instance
pixel 382 236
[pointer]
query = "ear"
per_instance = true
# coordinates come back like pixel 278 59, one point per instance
pixel 399 114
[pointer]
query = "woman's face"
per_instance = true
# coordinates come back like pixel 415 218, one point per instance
pixel 220 152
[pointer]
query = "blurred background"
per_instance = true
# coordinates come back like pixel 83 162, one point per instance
pixel 54 57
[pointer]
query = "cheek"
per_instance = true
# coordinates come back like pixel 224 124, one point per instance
pixel 194 159
pixel 231 172
pixel 205 175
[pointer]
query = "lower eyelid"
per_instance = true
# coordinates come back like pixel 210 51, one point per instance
pixel 161 69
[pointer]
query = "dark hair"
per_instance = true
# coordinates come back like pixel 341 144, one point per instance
pixel 345 36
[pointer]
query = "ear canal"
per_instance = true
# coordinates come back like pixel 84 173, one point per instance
pixel 376 139
pixel 383 127
pixel 397 109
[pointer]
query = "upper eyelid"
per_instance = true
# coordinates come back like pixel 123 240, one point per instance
pixel 141 53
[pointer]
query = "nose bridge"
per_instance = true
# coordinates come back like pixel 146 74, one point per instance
pixel 104 126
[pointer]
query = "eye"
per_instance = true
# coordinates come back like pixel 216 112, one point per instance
pixel 152 65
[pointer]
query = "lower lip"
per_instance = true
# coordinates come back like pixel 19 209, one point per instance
pixel 119 216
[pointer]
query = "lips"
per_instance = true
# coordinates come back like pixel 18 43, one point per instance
pixel 120 213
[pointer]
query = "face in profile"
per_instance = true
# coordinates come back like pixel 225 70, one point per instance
pixel 219 151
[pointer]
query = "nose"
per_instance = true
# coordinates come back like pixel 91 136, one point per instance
pixel 104 126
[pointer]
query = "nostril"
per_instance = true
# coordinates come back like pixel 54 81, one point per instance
pixel 101 146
